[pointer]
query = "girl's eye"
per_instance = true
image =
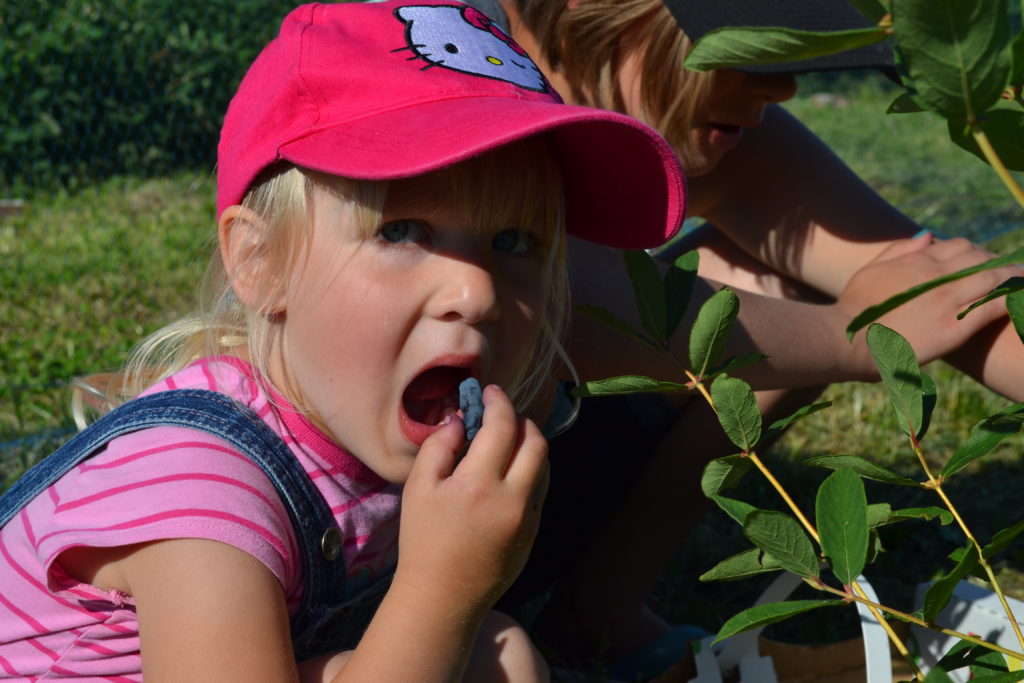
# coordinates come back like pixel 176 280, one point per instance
pixel 403 230
pixel 514 242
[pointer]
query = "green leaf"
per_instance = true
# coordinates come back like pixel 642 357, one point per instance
pixel 1004 129
pixel 763 615
pixel 984 437
pixel 1001 540
pixel 741 566
pixel 1014 284
pixel 737 411
pixel 626 384
pixel 722 474
pixel 736 363
pixel 1015 307
pixel 937 676
pixel 864 468
pixel 938 594
pixel 841 511
pixel 872 9
pixel 738 46
pixel 780 426
pixel 872 313
pixel 647 288
pixel 1017 59
pixel 926 513
pixel 904 104
pixel 784 539
pixel 615 323
pixel 678 286
pixel 929 398
pixel 1007 677
pixel 954 52
pixel 901 375
pixel 960 655
pixel 711 328
pixel 878 514
pixel 736 509
pixel 989 666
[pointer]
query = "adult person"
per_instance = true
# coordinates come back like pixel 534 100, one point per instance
pixel 789 224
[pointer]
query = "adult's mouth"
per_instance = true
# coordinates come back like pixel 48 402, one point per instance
pixel 725 136
pixel 430 400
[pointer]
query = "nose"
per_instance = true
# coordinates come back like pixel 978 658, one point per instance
pixel 772 87
pixel 466 290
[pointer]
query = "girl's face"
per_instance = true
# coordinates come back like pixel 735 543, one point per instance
pixel 379 329
pixel 736 101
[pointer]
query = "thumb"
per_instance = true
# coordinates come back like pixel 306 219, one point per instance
pixel 438 454
pixel 906 246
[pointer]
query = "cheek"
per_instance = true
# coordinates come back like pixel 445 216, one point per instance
pixel 526 302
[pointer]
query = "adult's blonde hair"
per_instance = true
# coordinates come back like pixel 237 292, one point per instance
pixel 515 186
pixel 588 43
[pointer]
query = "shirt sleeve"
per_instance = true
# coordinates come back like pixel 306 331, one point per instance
pixel 167 483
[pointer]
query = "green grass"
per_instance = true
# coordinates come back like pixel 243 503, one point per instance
pixel 908 158
pixel 87 275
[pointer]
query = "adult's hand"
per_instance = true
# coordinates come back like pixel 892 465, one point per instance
pixel 929 322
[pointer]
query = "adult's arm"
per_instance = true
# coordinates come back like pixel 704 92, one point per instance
pixel 786 198
pixel 806 343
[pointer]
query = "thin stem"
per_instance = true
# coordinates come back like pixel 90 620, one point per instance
pixel 920 622
pixel 893 637
pixel 997 164
pixel 936 484
pixel 984 563
pixel 699 386
pixel 785 496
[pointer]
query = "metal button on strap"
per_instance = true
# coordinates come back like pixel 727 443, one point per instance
pixel 330 544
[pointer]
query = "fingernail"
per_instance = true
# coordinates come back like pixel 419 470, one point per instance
pixel 921 233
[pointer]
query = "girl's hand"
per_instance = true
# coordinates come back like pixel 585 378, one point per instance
pixel 468 525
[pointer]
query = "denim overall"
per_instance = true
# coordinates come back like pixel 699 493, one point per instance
pixel 326 621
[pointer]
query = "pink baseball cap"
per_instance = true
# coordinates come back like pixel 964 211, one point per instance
pixel 384 90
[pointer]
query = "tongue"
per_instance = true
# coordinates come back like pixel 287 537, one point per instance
pixel 433 395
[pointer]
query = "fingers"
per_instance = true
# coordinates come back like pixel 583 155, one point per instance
pixel 900 248
pixel 438 454
pixel 508 446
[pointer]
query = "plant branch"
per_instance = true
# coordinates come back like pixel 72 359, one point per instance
pixel 984 563
pixel 920 622
pixel 936 485
pixel 997 164
pixel 893 637
pixel 699 386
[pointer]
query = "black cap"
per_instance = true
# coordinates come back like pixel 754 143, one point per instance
pixel 697 17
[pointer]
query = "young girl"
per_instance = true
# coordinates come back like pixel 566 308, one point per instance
pixel 395 183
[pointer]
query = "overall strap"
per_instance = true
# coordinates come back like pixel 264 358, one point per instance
pixel 217 414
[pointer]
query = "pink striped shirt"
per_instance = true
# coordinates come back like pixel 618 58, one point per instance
pixel 164 483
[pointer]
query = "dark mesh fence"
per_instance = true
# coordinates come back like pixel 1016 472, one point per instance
pixel 93 88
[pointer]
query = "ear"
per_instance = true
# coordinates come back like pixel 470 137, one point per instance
pixel 243 249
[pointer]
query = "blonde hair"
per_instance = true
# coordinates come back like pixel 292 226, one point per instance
pixel 516 185
pixel 589 43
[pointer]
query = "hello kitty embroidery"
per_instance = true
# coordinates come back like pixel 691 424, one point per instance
pixel 464 39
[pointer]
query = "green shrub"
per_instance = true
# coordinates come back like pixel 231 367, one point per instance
pixel 91 89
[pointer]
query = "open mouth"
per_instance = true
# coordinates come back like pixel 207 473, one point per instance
pixel 726 128
pixel 434 395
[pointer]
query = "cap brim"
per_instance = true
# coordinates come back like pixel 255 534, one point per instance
pixel 623 183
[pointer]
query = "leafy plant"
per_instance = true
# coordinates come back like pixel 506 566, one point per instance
pixel 94 89
pixel 956 59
